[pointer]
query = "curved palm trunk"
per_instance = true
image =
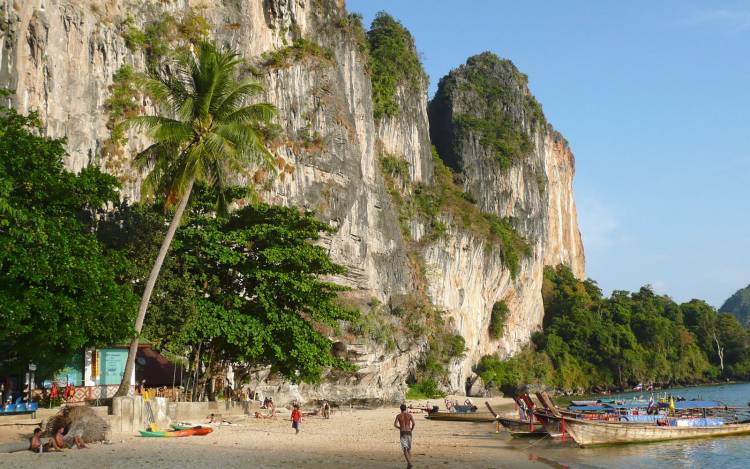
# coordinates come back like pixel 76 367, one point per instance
pixel 130 364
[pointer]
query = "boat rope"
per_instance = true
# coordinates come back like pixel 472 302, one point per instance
pixel 537 441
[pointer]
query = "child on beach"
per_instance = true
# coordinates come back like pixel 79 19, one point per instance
pixel 296 418
pixel 36 441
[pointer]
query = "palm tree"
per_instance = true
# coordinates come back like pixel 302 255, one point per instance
pixel 208 132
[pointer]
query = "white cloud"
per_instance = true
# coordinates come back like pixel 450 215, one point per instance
pixel 731 20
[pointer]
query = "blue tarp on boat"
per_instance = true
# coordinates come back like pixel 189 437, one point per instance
pixel 641 418
pixel 682 405
pixel 707 422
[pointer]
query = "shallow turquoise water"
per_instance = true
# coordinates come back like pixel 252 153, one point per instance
pixel 716 453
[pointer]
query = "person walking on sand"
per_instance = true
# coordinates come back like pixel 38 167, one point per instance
pixel 405 424
pixel 296 418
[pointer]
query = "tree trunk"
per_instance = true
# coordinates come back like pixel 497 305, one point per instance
pixel 719 352
pixel 130 364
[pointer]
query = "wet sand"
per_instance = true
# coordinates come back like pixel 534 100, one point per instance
pixel 356 438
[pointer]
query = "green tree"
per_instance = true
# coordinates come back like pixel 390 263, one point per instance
pixel 207 132
pixel 59 292
pixel 244 289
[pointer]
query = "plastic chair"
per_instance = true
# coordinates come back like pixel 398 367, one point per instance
pixel 32 406
pixel 21 407
pixel 10 408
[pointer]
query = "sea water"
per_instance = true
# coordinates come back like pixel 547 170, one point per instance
pixel 715 453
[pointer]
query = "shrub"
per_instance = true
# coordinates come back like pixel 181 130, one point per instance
pixel 457 346
pixel 395 167
pixel 497 319
pixel 424 389
pixel 511 375
pixel 299 50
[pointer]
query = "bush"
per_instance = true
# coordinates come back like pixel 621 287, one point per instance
pixel 395 167
pixel 512 375
pixel 457 346
pixel 299 50
pixel 424 389
pixel 497 319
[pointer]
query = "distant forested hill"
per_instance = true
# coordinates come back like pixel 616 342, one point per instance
pixel 738 305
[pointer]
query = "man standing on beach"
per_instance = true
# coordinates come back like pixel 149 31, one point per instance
pixel 405 424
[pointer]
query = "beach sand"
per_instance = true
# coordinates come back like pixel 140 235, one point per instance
pixel 350 438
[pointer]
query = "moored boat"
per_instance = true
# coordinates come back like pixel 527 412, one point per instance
pixel 522 429
pixel 461 416
pixel 592 433
pixel 519 428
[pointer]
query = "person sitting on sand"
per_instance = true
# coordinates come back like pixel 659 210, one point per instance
pixel 58 441
pixel 35 443
pixel 405 424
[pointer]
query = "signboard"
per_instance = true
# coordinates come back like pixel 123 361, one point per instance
pixel 112 365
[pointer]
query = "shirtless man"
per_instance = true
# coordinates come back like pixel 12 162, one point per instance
pixel 35 444
pixel 405 424
pixel 58 443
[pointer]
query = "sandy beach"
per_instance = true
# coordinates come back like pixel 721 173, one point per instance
pixel 351 438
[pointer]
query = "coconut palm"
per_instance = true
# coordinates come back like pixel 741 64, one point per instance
pixel 207 132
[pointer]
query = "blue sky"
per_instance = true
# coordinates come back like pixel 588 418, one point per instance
pixel 653 98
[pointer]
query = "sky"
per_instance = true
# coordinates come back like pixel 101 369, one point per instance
pixel 653 97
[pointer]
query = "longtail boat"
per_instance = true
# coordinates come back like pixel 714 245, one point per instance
pixel 461 416
pixel 519 428
pixel 592 433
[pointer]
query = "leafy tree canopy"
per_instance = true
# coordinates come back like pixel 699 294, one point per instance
pixel 59 292
pixel 590 341
pixel 241 289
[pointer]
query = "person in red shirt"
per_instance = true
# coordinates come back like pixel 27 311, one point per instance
pixel 296 418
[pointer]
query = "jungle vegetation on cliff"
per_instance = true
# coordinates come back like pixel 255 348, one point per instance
pixel 591 341
pixel 394 62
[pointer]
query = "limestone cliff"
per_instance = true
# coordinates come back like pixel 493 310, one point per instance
pixel 490 129
pixel 61 56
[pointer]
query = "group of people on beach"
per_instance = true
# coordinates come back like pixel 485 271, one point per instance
pixel 59 441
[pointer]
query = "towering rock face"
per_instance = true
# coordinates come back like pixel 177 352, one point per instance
pixel 61 56
pixel 490 129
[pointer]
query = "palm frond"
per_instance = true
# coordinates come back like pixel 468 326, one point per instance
pixel 208 132
pixel 237 98
pixel 259 112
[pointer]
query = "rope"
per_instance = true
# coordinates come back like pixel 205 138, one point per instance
pixel 537 441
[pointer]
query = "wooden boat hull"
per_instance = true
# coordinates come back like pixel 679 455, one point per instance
pixel 460 417
pixel 550 424
pixel 591 433
pixel 179 433
pixel 522 428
